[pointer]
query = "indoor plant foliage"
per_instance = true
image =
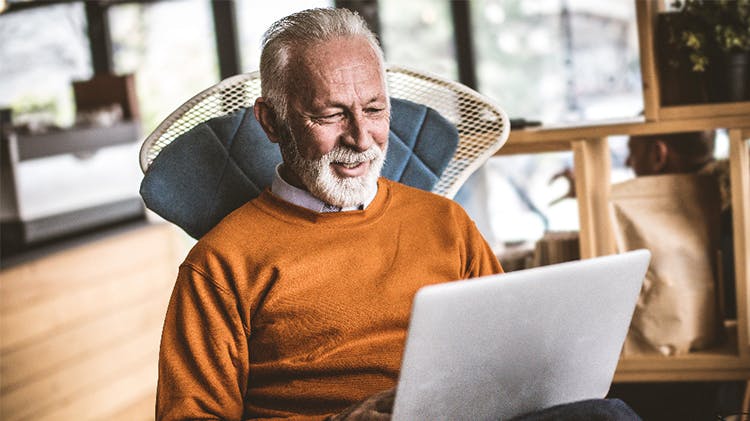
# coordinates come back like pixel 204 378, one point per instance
pixel 702 28
pixel 712 37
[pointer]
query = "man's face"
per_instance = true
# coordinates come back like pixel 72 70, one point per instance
pixel 338 122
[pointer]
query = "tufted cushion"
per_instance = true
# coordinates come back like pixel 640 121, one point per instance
pixel 220 164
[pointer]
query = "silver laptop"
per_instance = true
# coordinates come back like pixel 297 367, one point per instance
pixel 499 346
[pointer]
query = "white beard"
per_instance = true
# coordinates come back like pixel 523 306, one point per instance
pixel 322 182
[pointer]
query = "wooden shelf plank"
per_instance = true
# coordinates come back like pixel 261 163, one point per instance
pixel 687 112
pixel 634 126
pixel 724 362
pixel 532 148
pixel 682 374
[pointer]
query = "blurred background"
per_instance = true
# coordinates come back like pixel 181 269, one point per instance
pixel 551 61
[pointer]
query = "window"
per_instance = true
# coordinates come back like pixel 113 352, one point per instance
pixel 170 48
pixel 513 200
pixel 37 66
pixel 253 18
pixel 559 61
pixel 555 61
pixel 419 34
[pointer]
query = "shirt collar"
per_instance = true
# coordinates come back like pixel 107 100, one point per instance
pixel 303 198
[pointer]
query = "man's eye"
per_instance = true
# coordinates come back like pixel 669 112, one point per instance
pixel 374 111
pixel 330 118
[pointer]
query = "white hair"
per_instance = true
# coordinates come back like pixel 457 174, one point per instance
pixel 295 33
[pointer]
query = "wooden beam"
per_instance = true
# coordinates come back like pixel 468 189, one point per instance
pixel 461 15
pixel 646 12
pixel 227 44
pixel 592 181
pixel 513 148
pixel 567 133
pixel 687 112
pixel 100 40
pixel 739 168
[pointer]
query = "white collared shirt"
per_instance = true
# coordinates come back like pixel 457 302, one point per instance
pixel 303 198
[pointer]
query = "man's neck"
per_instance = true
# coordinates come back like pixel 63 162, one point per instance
pixel 289 177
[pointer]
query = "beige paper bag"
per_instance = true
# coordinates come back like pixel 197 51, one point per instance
pixel 675 216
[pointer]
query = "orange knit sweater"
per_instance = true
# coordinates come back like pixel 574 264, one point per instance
pixel 280 311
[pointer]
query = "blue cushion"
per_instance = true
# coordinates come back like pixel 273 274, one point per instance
pixel 220 164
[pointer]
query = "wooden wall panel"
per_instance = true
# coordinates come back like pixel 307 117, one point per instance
pixel 79 267
pixel 79 329
pixel 51 352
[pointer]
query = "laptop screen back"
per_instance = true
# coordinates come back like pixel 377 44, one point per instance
pixel 504 345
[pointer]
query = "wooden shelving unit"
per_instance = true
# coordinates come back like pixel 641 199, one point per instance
pixel 731 361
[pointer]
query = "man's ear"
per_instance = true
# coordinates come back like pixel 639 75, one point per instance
pixel 659 156
pixel 267 119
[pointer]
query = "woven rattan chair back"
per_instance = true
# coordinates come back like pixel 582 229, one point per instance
pixel 482 126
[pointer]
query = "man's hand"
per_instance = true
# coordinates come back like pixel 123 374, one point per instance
pixel 377 407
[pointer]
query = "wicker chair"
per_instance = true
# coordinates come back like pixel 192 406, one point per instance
pixel 482 126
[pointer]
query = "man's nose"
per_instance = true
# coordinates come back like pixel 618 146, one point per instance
pixel 358 136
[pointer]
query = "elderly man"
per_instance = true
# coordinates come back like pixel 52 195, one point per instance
pixel 296 304
pixel 286 309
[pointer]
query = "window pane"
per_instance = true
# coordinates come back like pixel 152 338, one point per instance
pixel 37 66
pixel 513 201
pixel 559 60
pixel 419 34
pixel 170 48
pixel 556 61
pixel 253 18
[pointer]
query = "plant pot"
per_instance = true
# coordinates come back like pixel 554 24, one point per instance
pixel 730 77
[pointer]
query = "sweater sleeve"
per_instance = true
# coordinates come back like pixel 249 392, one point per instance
pixel 203 359
pixel 482 260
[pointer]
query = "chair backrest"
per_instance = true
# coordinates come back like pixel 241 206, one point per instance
pixel 482 126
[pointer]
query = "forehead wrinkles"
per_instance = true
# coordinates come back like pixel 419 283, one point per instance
pixel 353 73
pixel 341 63
pixel 344 74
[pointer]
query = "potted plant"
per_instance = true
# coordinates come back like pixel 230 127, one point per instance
pixel 712 38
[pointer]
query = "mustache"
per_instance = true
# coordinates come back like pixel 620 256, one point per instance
pixel 347 155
